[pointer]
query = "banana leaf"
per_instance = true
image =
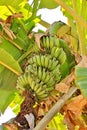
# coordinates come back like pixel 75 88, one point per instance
pixel 7 88
pixel 9 62
pixel 70 57
pixel 57 123
pixel 48 4
pixel 81 79
pixel 12 3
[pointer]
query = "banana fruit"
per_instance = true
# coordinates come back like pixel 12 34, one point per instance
pixel 44 69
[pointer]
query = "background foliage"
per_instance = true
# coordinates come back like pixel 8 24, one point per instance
pixel 17 21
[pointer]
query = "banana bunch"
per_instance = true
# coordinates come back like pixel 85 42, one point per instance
pixel 56 48
pixel 45 68
pixel 48 42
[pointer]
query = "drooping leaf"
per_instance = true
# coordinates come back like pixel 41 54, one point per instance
pixel 9 62
pixel 51 4
pixel 7 88
pixel 81 79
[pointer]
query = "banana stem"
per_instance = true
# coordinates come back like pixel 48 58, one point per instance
pixel 26 54
pixel 44 23
pixel 78 18
pixel 53 111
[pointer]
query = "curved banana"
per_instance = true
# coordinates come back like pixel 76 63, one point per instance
pixel 45 68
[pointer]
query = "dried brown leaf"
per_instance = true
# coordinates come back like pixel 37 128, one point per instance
pixel 18 15
pixel 69 79
pixel 45 106
pixel 0 40
pixel 83 62
pixel 37 39
pixel 15 15
pixel 78 57
pixel 41 112
pixel 72 121
pixel 9 32
pixel 76 105
pixel 10 126
pixel 62 87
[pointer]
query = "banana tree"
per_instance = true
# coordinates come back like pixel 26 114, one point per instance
pixel 37 69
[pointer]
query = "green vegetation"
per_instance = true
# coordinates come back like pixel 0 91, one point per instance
pixel 40 72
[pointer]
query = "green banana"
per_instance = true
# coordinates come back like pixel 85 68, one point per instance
pixel 53 51
pixel 51 81
pixel 42 60
pixel 45 68
pixel 56 42
pixel 47 78
pixel 38 60
pixel 36 87
pixel 40 72
pixel 55 63
pixel 62 57
pixel 46 61
pixel 39 90
pixel 43 74
pixel 43 43
pixel 50 88
pixel 47 43
pixel 56 53
pixel 33 85
pixel 43 96
pixel 51 40
pixel 41 93
pixel 50 64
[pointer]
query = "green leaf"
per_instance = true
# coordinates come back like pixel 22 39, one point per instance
pixel 50 4
pixel 7 88
pixel 9 62
pixel 81 79
pixel 70 4
pixel 1 68
pixel 70 57
pixel 11 49
pixel 22 38
pixel 4 12
pixel 13 3
pixel 57 123
pixel 15 104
